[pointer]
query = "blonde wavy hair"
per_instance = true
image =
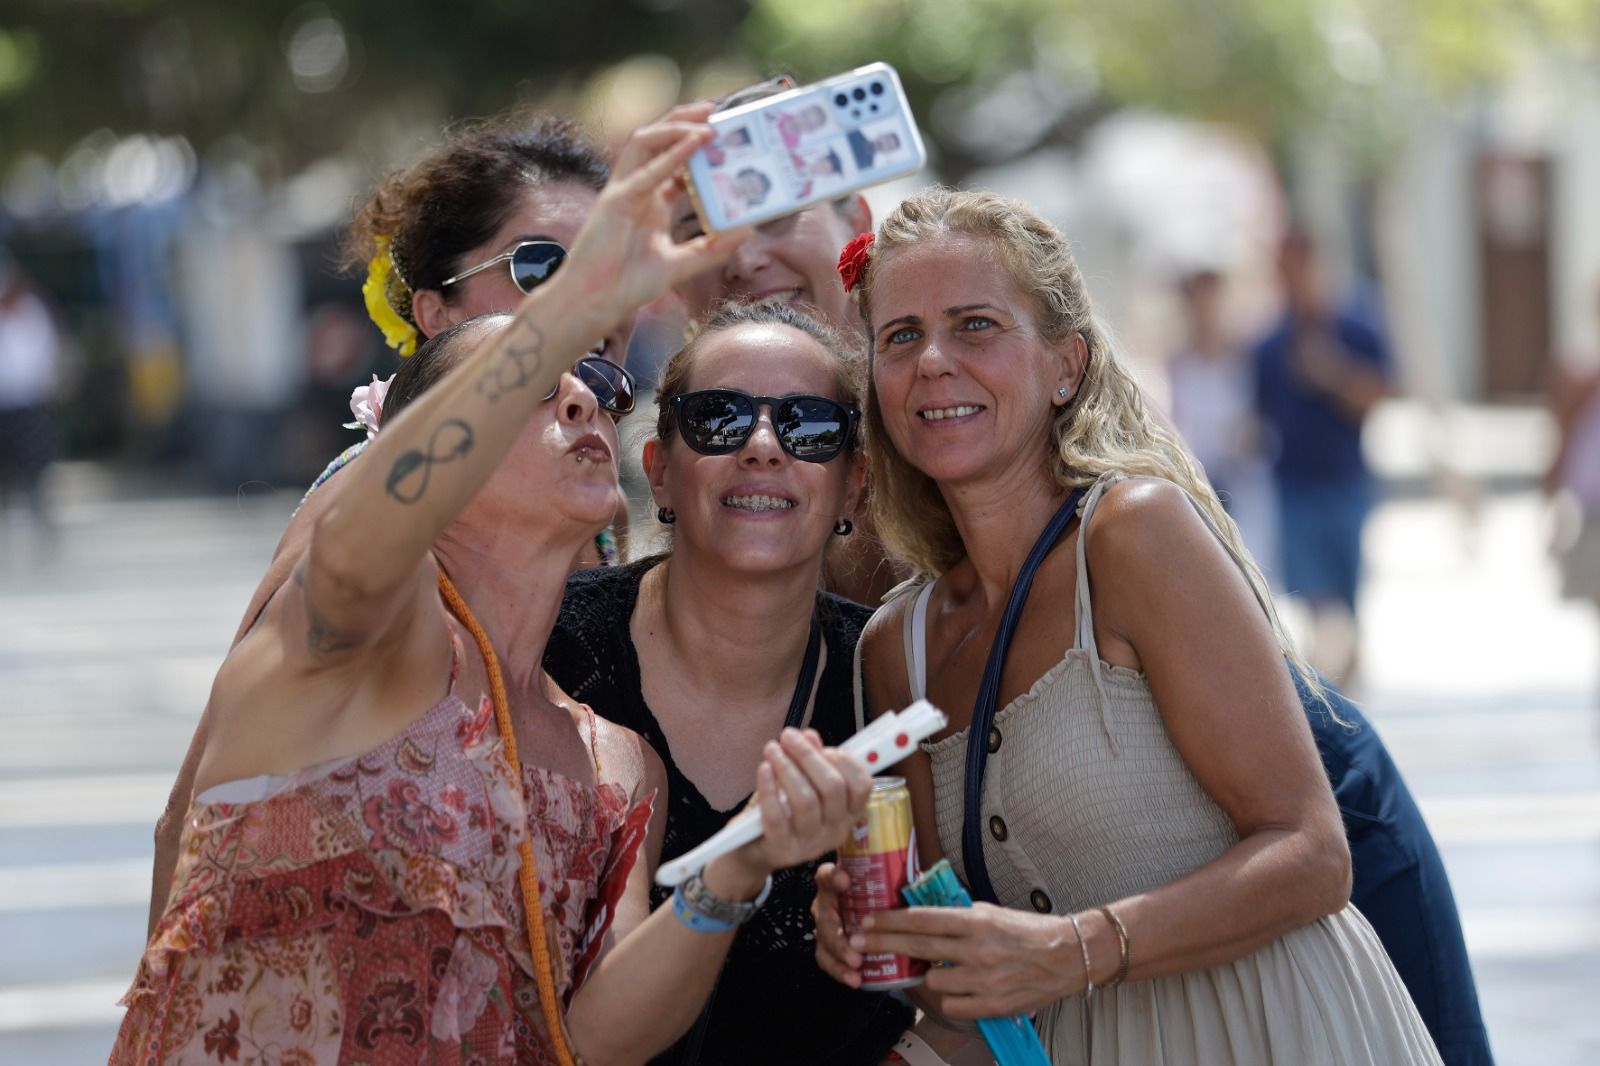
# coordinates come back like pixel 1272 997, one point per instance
pixel 1104 428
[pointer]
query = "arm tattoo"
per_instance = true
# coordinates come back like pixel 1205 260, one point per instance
pixel 518 364
pixel 321 637
pixel 408 478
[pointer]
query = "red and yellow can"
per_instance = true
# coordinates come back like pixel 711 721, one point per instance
pixel 881 859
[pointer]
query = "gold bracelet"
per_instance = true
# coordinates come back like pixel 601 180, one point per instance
pixel 1123 946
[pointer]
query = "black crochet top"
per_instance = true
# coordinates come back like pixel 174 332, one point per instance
pixel 772 1004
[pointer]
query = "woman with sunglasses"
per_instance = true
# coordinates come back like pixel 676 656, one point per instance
pixel 476 225
pixel 712 649
pixel 472 227
pixel 370 871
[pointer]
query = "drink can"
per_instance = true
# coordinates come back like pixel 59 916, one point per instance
pixel 881 858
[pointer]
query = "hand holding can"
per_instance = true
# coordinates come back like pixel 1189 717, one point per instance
pixel 880 858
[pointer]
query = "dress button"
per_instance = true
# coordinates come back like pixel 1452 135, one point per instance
pixel 1040 901
pixel 997 827
pixel 994 740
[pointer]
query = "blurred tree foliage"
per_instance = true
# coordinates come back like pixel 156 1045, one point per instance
pixel 993 77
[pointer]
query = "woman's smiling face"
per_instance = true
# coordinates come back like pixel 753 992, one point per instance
pixel 965 383
pixel 756 508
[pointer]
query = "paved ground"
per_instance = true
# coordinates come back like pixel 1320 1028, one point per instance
pixel 1482 681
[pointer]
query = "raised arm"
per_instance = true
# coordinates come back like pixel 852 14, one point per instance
pixel 420 472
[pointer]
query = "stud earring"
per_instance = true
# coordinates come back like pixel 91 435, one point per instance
pixel 844 527
pixel 666 516
pixel 1062 392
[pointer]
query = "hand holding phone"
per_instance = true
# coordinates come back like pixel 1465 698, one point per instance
pixel 774 156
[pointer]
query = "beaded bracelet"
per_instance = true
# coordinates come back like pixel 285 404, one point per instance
pixel 1124 946
pixel 1083 946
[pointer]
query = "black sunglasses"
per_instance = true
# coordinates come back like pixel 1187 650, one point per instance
pixel 532 263
pixel 813 429
pixel 611 384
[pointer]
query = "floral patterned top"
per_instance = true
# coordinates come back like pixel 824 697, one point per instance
pixel 369 911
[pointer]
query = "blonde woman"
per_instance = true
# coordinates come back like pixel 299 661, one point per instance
pixel 1152 820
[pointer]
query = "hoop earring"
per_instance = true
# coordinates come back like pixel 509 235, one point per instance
pixel 844 527
pixel 666 516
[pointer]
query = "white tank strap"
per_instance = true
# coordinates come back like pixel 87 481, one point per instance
pixel 1085 609
pixel 916 589
pixel 915 633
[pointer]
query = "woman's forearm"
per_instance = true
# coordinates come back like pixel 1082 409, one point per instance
pixel 648 990
pixel 420 472
pixel 1271 882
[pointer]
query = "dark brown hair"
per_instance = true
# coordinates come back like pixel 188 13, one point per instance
pixel 433 359
pixel 453 200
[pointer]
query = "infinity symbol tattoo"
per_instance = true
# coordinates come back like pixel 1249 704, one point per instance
pixel 451 440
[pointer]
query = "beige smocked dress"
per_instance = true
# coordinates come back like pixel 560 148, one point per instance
pixel 1086 801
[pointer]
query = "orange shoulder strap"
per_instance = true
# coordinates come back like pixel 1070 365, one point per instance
pixel 528 876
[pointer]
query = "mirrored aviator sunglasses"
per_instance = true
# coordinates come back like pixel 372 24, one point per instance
pixel 812 429
pixel 531 264
pixel 611 384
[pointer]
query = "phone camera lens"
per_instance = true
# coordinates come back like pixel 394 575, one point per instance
pixel 841 100
pixel 873 108
pixel 877 88
pixel 859 93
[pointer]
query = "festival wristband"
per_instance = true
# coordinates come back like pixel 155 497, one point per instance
pixel 700 923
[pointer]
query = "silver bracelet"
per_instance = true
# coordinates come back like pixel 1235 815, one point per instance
pixel 1083 946
pixel 702 900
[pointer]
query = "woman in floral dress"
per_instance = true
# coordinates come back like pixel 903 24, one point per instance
pixel 368 873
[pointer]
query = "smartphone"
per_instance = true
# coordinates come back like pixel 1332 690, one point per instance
pixel 771 157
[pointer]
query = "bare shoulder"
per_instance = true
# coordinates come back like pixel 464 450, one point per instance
pixel 628 760
pixel 1144 526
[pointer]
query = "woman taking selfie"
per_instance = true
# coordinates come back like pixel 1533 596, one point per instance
pixel 472 227
pixel 369 870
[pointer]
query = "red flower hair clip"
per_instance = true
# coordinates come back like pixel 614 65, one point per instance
pixel 853 260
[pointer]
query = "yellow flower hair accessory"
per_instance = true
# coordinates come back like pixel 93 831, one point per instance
pixel 397 332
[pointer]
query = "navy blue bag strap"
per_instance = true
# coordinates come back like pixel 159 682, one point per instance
pixel 983 711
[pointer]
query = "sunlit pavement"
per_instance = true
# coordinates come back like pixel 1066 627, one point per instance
pixel 1482 681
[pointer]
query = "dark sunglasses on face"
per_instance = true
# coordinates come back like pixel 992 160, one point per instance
pixel 531 263
pixel 611 384
pixel 813 429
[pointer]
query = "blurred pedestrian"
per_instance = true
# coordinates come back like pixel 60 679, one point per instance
pixel 30 362
pixel 1319 373
pixel 1573 479
pixel 1214 411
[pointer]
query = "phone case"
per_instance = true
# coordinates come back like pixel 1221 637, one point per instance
pixel 819 142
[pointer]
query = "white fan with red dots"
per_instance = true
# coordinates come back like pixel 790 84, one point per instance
pixel 885 741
